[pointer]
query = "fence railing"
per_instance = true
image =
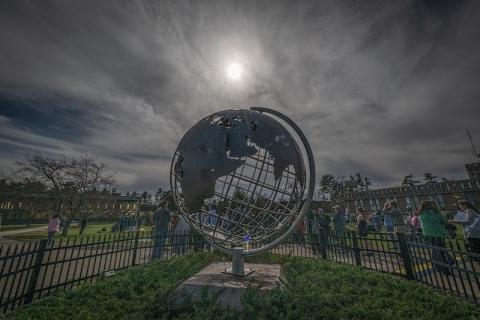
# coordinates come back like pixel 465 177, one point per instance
pixel 31 270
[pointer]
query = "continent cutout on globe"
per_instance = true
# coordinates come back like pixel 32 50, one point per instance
pixel 218 145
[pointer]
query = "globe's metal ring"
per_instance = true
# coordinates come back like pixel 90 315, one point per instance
pixel 308 194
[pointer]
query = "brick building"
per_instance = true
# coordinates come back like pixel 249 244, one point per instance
pixel 25 206
pixel 446 194
pixel 473 170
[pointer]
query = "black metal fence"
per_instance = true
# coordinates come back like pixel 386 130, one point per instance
pixel 30 270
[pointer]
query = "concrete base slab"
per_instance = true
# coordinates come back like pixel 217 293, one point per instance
pixel 228 287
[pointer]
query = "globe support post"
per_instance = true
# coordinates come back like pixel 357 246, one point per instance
pixel 238 265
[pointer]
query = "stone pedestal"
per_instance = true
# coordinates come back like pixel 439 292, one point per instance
pixel 229 287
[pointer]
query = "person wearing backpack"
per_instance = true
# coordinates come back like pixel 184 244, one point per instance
pixel 471 227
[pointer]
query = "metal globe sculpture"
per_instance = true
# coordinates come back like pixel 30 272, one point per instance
pixel 240 178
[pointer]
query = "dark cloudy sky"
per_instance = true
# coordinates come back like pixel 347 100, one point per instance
pixel 386 88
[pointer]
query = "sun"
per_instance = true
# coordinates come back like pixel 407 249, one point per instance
pixel 234 71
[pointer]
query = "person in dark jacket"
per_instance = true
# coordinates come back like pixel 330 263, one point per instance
pixel 338 226
pixel 83 224
pixel 312 225
pixel 161 224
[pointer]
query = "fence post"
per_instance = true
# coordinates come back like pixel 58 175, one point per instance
pixel 405 254
pixel 135 248
pixel 36 271
pixel 323 243
pixel 356 250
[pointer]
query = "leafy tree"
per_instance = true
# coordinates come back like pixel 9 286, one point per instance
pixel 366 183
pixel 430 178
pixel 409 180
pixel 335 186
pixel 158 195
pixel 327 183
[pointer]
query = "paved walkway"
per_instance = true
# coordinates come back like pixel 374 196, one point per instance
pixel 4 240
pixel 23 230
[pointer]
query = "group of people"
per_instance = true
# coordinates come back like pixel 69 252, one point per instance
pixel 433 229
pixel 55 225
pixel 428 222
pixel 165 223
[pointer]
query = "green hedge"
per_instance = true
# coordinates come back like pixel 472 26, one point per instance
pixel 316 290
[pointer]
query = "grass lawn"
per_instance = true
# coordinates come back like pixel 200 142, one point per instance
pixel 317 289
pixel 90 230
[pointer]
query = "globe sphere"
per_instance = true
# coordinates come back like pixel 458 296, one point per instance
pixel 240 178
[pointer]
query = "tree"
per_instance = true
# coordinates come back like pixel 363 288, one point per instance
pixel 158 195
pixel 69 182
pixel 49 171
pixel 26 191
pixel 29 188
pixel 430 178
pixel 327 183
pixel 144 196
pixel 336 186
pixel 409 180
pixel 86 178
pixel 366 183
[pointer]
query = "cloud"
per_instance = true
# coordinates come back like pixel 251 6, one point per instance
pixel 387 89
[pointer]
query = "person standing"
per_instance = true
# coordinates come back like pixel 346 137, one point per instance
pixel 397 217
pixel 53 227
pixel 161 223
pixel 433 222
pixel 387 219
pixel 181 234
pixel 83 225
pixel 362 218
pixel 377 219
pixel 415 223
pixel 312 225
pixel 324 222
pixel 213 215
pixel 324 231
pixel 471 228
pixel 338 221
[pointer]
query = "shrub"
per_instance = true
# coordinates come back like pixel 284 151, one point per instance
pixel 316 289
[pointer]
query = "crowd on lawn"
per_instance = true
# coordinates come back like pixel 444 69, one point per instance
pixel 428 223
pixel 163 222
